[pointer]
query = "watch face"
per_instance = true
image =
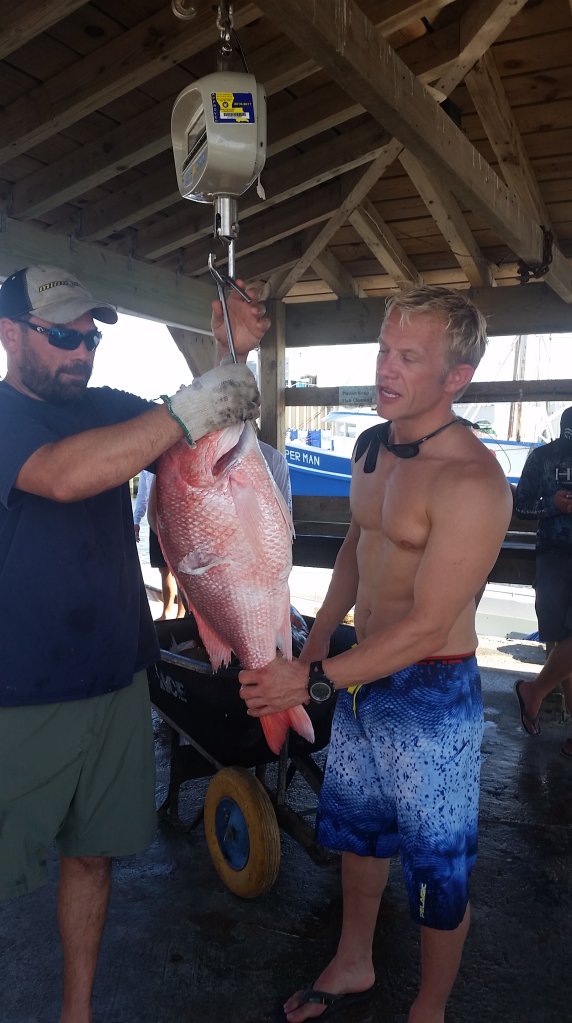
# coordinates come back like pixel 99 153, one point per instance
pixel 320 690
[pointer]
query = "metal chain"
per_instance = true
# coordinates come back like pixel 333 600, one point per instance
pixel 225 24
pixel 527 270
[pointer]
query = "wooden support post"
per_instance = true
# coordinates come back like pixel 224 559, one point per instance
pixel 272 379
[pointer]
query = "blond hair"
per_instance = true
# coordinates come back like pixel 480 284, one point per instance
pixel 465 336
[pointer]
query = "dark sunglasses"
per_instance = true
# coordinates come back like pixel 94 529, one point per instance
pixel 65 337
pixel 412 449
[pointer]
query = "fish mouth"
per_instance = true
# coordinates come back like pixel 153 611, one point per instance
pixel 231 442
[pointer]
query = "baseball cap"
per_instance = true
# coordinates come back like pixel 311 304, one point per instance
pixel 51 293
pixel 566 424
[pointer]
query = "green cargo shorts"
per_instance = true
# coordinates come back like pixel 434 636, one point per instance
pixel 81 774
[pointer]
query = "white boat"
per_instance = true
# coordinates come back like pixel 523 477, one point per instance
pixel 320 460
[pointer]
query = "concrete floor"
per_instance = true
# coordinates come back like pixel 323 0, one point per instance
pixel 180 947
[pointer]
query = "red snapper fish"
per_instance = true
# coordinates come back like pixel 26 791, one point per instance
pixel 226 534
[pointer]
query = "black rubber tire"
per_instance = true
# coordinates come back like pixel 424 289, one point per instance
pixel 244 847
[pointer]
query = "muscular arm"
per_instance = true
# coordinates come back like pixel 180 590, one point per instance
pixel 90 462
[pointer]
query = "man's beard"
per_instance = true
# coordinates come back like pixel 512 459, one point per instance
pixel 53 388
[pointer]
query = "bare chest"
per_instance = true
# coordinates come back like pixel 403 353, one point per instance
pixel 392 501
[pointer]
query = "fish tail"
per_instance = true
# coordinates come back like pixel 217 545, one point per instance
pixel 275 727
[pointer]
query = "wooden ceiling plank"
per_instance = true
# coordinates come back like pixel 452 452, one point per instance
pixel 357 56
pixel 384 245
pixel 127 62
pixel 336 276
pixel 114 69
pixel 487 93
pixel 354 197
pixel 326 107
pixel 151 195
pixel 449 218
pixel 125 146
pixel 28 18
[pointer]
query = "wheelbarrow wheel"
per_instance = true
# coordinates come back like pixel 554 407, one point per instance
pixel 242 832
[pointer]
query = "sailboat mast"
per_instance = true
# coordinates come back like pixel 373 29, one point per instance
pixel 519 367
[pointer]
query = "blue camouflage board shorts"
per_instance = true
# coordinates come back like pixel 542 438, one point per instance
pixel 402 775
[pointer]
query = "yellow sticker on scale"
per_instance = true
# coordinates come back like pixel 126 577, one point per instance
pixel 233 107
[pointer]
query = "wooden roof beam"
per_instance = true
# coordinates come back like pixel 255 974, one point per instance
pixel 487 93
pixel 331 271
pixel 117 211
pixel 443 57
pixel 455 69
pixel 21 22
pixel 528 309
pixel 449 218
pixel 132 285
pixel 356 55
pixel 354 197
pixel 396 14
pixel 480 25
pixel 379 237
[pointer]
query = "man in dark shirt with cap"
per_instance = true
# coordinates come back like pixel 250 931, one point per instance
pixel 76 745
pixel 545 493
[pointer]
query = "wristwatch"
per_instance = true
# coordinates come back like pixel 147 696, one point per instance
pixel 320 688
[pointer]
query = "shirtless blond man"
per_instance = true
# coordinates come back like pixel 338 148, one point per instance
pixel 430 508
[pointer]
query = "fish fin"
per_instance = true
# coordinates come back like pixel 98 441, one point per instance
pixel 284 631
pixel 284 509
pixel 300 722
pixel 247 506
pixel 217 648
pixel 275 726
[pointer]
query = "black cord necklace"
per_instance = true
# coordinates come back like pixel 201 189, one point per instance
pixel 370 441
pixel 411 449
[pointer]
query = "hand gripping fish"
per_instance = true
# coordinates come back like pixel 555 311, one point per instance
pixel 226 534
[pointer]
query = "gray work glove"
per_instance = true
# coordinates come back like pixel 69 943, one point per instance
pixel 219 398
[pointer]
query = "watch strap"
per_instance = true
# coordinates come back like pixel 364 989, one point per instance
pixel 317 671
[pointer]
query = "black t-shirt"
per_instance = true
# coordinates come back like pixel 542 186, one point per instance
pixel 74 616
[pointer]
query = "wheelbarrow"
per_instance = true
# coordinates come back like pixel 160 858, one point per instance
pixel 212 735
